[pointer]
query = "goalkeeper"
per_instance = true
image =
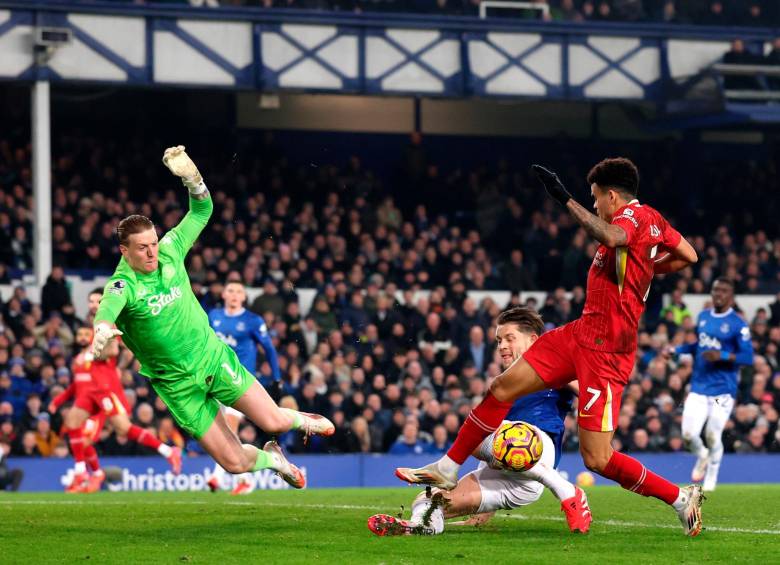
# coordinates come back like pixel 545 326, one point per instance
pixel 148 300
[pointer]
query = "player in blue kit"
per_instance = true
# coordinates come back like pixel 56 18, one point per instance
pixel 489 488
pixel 723 345
pixel 243 331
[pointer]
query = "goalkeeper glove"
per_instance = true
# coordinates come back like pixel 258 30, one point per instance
pixel 103 334
pixel 552 184
pixel 180 164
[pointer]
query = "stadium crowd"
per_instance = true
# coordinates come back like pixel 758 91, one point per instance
pixel 759 13
pixel 395 369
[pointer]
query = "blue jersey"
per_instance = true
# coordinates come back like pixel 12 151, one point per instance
pixel 727 333
pixel 546 410
pixel 242 332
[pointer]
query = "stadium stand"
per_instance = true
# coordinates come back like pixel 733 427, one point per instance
pixel 394 374
pixel 717 12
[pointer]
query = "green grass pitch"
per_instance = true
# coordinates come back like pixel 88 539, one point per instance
pixel 742 526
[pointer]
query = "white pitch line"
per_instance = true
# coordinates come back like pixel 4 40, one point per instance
pixel 617 523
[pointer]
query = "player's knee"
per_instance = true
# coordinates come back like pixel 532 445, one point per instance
pixel 712 437
pixel 277 425
pixel 595 461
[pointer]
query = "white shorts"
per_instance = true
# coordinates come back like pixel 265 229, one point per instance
pixel 505 490
pixel 712 410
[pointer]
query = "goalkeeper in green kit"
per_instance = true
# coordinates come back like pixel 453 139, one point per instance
pixel 148 300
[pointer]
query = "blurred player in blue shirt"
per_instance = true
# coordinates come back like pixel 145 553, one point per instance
pixel 243 331
pixel 723 345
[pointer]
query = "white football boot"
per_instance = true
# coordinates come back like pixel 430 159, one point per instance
pixel 689 510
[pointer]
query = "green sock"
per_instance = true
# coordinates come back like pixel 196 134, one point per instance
pixel 264 461
pixel 297 423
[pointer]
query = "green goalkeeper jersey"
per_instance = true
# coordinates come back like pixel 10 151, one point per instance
pixel 162 322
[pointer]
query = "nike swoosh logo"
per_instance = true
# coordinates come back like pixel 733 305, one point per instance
pixel 585 415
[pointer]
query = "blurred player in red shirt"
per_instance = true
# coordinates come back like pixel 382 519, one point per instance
pixel 599 348
pixel 99 395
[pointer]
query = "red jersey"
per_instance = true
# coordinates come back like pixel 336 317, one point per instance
pixel 104 374
pixel 83 382
pixel 619 280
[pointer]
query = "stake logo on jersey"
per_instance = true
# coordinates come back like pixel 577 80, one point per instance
pixel 242 332
pixel 157 302
pixel 729 334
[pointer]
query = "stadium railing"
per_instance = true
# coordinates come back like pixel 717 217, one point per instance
pixel 273 50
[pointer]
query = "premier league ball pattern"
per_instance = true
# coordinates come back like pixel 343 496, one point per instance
pixel 517 446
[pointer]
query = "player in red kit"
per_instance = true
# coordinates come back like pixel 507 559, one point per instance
pixel 99 396
pixel 598 349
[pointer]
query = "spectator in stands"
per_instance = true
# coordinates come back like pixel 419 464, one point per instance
pixel 409 441
pixel 740 55
pixel 773 58
pixel 55 295
pixel 752 14
pixel 716 15
pixel 45 439
pixel 679 311
pixel 566 10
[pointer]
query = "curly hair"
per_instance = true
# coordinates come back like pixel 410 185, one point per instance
pixel 618 174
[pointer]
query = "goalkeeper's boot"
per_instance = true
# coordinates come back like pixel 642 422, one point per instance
pixel 577 512
pixel 314 424
pixel 689 511
pixel 290 473
pixel 79 483
pixel 700 469
pixel 175 460
pixel 95 481
pixel 430 475
pixel 386 525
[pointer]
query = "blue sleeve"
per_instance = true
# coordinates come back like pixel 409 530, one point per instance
pixel 743 355
pixel 261 336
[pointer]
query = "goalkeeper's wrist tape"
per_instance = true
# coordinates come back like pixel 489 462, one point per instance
pixel 195 187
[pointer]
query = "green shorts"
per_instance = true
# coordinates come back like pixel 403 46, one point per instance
pixel 194 400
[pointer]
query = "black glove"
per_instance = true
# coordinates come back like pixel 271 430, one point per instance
pixel 276 390
pixel 552 184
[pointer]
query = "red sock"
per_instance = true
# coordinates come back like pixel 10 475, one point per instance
pixel 634 476
pixel 143 437
pixel 77 444
pixel 482 422
pixel 92 458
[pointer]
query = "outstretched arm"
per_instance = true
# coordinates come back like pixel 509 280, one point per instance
pixel 608 234
pixel 184 235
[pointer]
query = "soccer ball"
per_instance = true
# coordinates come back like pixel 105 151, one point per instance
pixel 517 446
